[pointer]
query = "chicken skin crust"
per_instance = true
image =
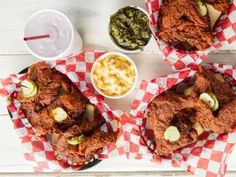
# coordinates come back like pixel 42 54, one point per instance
pixel 173 10
pixel 188 32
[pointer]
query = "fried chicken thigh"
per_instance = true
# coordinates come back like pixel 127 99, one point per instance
pixel 173 10
pixel 181 21
pixel 84 151
pixel 44 122
pixel 49 83
pixel 207 81
pixel 184 31
pixel 54 90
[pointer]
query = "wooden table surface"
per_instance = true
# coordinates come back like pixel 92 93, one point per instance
pixel 90 18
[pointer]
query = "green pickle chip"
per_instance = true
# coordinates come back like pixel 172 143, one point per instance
pixel 202 9
pixel 28 88
pixel 76 140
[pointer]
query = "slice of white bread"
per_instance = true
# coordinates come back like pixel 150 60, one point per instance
pixel 213 14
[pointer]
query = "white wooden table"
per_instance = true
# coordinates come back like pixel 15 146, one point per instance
pixel 91 18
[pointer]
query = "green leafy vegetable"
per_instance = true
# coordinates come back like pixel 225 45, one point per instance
pixel 129 28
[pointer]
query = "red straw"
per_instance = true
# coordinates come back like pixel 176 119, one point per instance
pixel 36 37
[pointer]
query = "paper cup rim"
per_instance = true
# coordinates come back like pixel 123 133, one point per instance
pixel 71 28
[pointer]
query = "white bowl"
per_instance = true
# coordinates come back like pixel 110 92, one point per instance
pixel 128 59
pixel 119 47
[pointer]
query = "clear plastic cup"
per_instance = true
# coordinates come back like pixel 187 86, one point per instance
pixel 64 41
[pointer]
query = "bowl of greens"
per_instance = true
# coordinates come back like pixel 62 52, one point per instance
pixel 129 29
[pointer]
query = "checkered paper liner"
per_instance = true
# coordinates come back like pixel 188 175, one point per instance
pixel 225 33
pixel 207 157
pixel 37 149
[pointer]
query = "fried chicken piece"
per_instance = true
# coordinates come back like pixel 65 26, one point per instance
pixel 206 81
pixel 83 152
pixel 40 72
pixel 186 31
pixel 180 21
pixel 224 122
pixel 97 140
pixel 49 84
pixel 179 111
pixel 225 118
pixel 221 5
pixel 185 112
pixel 53 90
pixel 173 10
pixel 83 128
pixel 59 138
pixel 72 104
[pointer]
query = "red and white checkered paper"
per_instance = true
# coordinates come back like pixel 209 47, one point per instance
pixel 38 149
pixel 207 157
pixel 224 34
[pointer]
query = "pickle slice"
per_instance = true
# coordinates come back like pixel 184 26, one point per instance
pixel 59 114
pixel 76 140
pixel 32 94
pixel 216 106
pixel 210 99
pixel 172 133
pixel 206 98
pixel 202 8
pixel 28 88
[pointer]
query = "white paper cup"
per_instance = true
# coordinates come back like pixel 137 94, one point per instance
pixel 128 59
pixel 64 41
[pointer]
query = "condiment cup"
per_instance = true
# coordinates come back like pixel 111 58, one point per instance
pixel 119 47
pixel 128 59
